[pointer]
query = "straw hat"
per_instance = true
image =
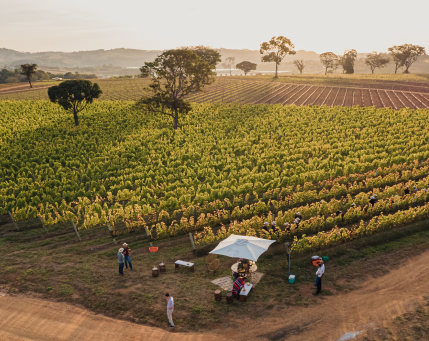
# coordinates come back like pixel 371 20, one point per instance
pixel 125 244
pixel 121 249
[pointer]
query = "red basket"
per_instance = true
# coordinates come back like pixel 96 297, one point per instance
pixel 153 249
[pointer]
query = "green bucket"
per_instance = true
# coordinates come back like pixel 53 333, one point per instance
pixel 325 258
pixel 292 279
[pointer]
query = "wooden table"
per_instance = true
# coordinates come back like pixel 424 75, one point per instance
pixel 188 264
pixel 243 295
pixel 253 268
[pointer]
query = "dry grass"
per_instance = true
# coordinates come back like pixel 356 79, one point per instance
pixel 86 273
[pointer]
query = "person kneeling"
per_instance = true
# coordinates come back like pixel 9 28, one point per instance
pixel 238 285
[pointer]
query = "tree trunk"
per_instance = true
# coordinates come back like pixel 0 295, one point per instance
pixel 29 80
pixel 326 71
pixel 76 119
pixel 176 119
pixel 396 67
pixel 406 70
pixel 276 70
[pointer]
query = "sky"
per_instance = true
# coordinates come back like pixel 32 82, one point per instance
pixel 320 26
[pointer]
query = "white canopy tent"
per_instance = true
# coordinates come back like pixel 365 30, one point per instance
pixel 243 247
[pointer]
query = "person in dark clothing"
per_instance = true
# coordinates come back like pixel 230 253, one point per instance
pixel 296 221
pixel 287 227
pixel 338 213
pixel 373 200
pixel 298 215
pixel 273 225
pixel 266 226
pixel 407 191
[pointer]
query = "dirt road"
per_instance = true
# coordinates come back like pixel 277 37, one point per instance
pixel 374 304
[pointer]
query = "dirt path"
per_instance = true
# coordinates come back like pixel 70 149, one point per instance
pixel 371 306
pixel 27 319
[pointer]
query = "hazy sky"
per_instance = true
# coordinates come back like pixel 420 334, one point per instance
pixel 330 25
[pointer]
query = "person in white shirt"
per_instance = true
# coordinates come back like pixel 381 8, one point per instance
pixel 170 308
pixel 319 273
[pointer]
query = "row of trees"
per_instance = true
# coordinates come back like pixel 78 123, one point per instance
pixel 30 73
pixel 402 56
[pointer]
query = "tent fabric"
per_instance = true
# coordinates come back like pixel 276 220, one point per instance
pixel 243 247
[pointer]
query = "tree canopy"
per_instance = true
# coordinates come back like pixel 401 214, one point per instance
pixel 206 53
pixel 276 49
pixel 174 74
pixel 246 66
pixel 376 60
pixel 405 55
pixel 347 61
pixel 28 70
pixel 300 65
pixel 74 95
pixel 229 63
pixel 329 60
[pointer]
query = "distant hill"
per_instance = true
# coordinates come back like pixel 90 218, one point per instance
pixel 113 60
pixel 120 57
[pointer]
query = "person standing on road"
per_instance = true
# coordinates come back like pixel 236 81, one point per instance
pixel 127 257
pixel 170 309
pixel 121 261
pixel 319 273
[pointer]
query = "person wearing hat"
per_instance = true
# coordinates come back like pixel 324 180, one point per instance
pixel 319 273
pixel 127 257
pixel 407 191
pixel 266 226
pixel 273 225
pixel 238 285
pixel 287 227
pixel 298 215
pixel 121 261
pixel 296 221
pixel 354 205
pixel 373 199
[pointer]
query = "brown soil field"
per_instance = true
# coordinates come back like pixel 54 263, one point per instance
pixel 371 306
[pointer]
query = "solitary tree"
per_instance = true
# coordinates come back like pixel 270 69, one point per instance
pixel 229 63
pixel 347 61
pixel 397 57
pixel 206 53
pixel 174 74
pixel 329 60
pixel 28 70
pixel 407 54
pixel 300 65
pixel 246 66
pixel 376 60
pixel 74 95
pixel 276 49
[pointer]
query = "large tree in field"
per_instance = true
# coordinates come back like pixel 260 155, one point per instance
pixel 376 60
pixel 174 74
pixel 229 63
pixel 246 66
pixel 347 61
pixel 329 60
pixel 300 65
pixel 405 55
pixel 276 49
pixel 28 70
pixel 206 53
pixel 74 95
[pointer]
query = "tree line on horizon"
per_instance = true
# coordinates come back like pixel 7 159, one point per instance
pixel 178 72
